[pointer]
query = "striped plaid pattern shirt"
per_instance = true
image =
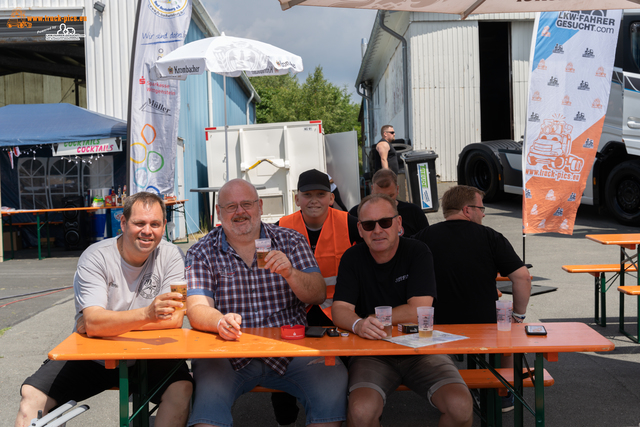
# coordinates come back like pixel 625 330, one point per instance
pixel 263 299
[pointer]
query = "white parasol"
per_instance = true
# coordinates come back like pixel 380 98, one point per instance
pixel 228 56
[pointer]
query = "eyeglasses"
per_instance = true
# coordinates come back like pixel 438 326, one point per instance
pixel 392 133
pixel 384 223
pixel 482 208
pixel 245 204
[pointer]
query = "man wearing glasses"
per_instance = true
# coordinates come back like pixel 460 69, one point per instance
pixel 227 291
pixel 467 257
pixel 398 272
pixel 384 155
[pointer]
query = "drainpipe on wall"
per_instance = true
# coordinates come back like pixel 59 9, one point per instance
pixel 247 108
pixel 405 74
pixel 370 130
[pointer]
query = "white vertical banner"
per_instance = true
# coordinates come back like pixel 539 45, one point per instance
pixel 155 105
pixel 572 62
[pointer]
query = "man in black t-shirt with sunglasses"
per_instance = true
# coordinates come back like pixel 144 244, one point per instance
pixel 389 270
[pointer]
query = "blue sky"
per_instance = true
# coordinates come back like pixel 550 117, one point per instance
pixel 329 37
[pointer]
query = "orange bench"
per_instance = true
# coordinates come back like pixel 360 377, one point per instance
pixel 475 378
pixel 598 271
pixel 629 290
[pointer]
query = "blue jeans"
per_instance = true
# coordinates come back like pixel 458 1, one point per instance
pixel 321 389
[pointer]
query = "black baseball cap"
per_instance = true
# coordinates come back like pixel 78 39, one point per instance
pixel 314 180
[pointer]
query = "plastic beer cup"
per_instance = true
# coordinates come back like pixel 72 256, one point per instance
pixel 263 247
pixel 425 322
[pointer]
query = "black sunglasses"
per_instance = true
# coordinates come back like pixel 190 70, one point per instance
pixel 482 208
pixel 384 223
pixel 392 133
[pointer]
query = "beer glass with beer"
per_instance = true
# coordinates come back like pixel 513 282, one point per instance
pixel 263 246
pixel 180 286
pixel 425 322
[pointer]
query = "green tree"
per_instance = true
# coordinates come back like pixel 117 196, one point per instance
pixel 279 98
pixel 285 100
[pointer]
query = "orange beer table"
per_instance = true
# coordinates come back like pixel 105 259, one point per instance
pixel 624 241
pixel 629 241
pixel 266 342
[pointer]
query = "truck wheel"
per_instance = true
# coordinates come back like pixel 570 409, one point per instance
pixel 622 193
pixel 532 160
pixel 558 163
pixel 482 174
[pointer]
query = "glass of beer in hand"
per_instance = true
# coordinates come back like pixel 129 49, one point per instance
pixel 180 286
pixel 263 247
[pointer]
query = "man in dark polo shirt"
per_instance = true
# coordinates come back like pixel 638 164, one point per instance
pixel 467 258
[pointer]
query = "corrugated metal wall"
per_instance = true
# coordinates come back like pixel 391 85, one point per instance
pixel 40 4
pixel 445 89
pixel 421 16
pixel 388 99
pixel 521 34
pixel 445 83
pixel 109 37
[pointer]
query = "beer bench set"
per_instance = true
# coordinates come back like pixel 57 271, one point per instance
pixel 482 341
pixel 628 264
pixel 482 379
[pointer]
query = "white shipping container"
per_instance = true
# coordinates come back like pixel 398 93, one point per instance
pixel 272 155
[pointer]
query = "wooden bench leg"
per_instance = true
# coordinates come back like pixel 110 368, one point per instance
pixel 603 300
pixel 621 328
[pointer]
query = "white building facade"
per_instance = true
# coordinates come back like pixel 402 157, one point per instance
pixel 467 80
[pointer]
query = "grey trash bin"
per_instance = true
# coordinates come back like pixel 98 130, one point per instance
pixel 420 170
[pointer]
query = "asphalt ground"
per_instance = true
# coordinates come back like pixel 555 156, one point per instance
pixel 591 389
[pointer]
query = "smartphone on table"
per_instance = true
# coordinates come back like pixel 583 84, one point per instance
pixel 535 330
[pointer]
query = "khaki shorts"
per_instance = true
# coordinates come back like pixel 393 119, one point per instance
pixel 423 374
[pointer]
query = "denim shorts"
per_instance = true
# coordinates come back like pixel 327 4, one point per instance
pixel 321 389
pixel 423 374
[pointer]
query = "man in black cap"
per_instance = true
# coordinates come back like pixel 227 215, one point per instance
pixel 330 232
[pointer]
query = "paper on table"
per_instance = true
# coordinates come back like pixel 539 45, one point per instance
pixel 414 341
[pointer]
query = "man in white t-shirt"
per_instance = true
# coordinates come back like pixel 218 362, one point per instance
pixel 121 284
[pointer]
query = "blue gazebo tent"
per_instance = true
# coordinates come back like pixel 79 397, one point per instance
pixel 33 124
pixel 28 125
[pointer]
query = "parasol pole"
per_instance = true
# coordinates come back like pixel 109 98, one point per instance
pixel 226 141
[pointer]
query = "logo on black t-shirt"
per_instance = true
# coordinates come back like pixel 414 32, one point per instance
pixel 402 278
pixel 150 286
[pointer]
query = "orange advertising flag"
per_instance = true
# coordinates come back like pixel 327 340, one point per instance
pixel 572 61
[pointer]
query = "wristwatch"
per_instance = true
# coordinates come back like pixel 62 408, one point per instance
pixel 518 318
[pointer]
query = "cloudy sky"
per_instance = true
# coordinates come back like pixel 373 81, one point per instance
pixel 329 37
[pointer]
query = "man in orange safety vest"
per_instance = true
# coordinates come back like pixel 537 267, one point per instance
pixel 330 232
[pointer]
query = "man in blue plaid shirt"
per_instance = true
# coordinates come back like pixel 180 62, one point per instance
pixel 227 291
